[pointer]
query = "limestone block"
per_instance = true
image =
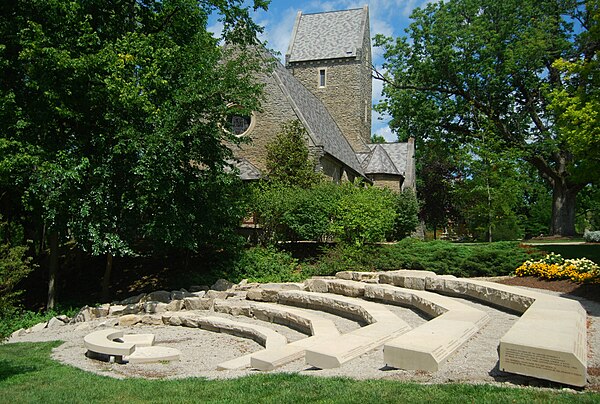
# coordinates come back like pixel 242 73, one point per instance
pixel 18 333
pixel 55 322
pixel 175 305
pixel 129 320
pixel 270 359
pixel 154 307
pixel 198 294
pixel 405 278
pixel 103 342
pixel 109 322
pixel 152 319
pixel 351 308
pixel 222 285
pixel 190 321
pixel 100 311
pixel 548 343
pixel 116 309
pixel 134 308
pixel 154 354
pixel 263 295
pixel 214 294
pixel 161 296
pixel 38 327
pixel 133 299
pixel 180 294
pixel 357 276
pixel 238 295
pixel 233 307
pixel 346 287
pixel 316 285
pixel 138 340
pixel 197 303
pixel 172 319
pixel 84 315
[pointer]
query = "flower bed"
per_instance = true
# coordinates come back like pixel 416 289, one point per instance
pixel 553 266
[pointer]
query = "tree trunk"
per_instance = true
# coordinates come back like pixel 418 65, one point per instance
pixel 54 253
pixel 106 278
pixel 563 209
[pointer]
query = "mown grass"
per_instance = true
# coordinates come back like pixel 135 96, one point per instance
pixel 28 375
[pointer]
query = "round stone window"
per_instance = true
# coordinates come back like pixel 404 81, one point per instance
pixel 239 124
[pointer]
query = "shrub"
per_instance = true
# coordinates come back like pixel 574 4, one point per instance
pixel 554 267
pixel 265 264
pixel 407 210
pixel 591 236
pixel 363 214
pixel 25 319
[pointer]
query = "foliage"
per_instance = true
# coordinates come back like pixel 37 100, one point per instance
pixel 441 257
pixel 288 160
pixel 592 236
pixel 113 118
pixel 473 68
pixel 29 374
pixel 407 210
pixel 377 139
pixel 18 319
pixel 554 266
pixel 265 264
pixel 363 214
pixel 15 265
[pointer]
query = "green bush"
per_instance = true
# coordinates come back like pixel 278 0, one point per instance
pixel 265 264
pixel 24 319
pixel 364 214
pixel 441 257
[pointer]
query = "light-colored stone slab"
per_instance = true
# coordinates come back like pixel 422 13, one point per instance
pixel 197 303
pixel 138 340
pixel 357 276
pixel 346 287
pixel 150 354
pixel 129 320
pixel 101 342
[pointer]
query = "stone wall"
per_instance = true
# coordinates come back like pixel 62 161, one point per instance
pixel 392 182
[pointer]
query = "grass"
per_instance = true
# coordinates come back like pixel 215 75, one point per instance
pixel 28 375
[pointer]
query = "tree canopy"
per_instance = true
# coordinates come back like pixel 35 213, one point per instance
pixel 515 70
pixel 112 118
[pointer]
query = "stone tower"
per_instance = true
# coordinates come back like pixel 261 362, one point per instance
pixel 330 53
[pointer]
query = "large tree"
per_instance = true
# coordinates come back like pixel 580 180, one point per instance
pixel 113 116
pixel 474 67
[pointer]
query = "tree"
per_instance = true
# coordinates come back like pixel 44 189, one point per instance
pixel 473 67
pixel 288 158
pixel 114 115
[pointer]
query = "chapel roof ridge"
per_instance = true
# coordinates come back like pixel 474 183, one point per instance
pixel 334 11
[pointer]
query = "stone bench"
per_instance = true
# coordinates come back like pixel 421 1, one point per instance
pixel 102 342
pixel 263 335
pixel 428 346
pixel 319 329
pixel 328 353
pixel 549 341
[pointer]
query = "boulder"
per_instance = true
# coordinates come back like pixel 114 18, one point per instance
pixel 133 299
pixel 316 285
pixel 161 296
pixel 411 279
pixel 18 333
pixel 116 310
pixel 129 319
pixel 346 288
pixel 197 303
pixel 175 305
pixel 85 314
pixel 39 327
pixel 109 323
pixel 262 295
pixel 55 322
pixel 180 294
pixel 198 288
pixel 101 311
pixel 155 307
pixel 233 307
pixel 222 285
pixel 152 319
pixel 214 294
pixel 133 308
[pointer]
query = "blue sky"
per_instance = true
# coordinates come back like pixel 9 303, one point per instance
pixel 388 17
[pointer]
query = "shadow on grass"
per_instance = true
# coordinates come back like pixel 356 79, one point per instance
pixel 9 369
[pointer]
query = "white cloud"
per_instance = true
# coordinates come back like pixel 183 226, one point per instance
pixel 216 29
pixel 387 134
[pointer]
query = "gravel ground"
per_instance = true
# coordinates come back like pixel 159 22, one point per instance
pixel 474 362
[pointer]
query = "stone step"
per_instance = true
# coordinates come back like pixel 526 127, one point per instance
pixel 151 354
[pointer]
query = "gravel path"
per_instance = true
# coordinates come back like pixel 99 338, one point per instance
pixel 475 362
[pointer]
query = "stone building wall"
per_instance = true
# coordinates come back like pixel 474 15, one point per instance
pixel 346 95
pixel 267 124
pixel 391 182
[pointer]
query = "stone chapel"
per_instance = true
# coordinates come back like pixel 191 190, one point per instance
pixel 326 85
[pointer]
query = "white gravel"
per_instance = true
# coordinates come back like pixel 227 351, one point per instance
pixel 475 362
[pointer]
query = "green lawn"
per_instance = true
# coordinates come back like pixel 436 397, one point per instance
pixel 28 375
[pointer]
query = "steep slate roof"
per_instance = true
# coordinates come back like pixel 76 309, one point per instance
pixel 385 158
pixel 329 35
pixel 321 127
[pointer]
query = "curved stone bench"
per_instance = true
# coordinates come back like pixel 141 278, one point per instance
pixel 319 329
pixel 549 341
pixel 383 325
pixel 263 335
pixel 102 342
pixel 428 346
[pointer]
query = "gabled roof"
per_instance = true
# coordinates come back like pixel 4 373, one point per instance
pixel 319 124
pixel 385 158
pixel 248 171
pixel 329 35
